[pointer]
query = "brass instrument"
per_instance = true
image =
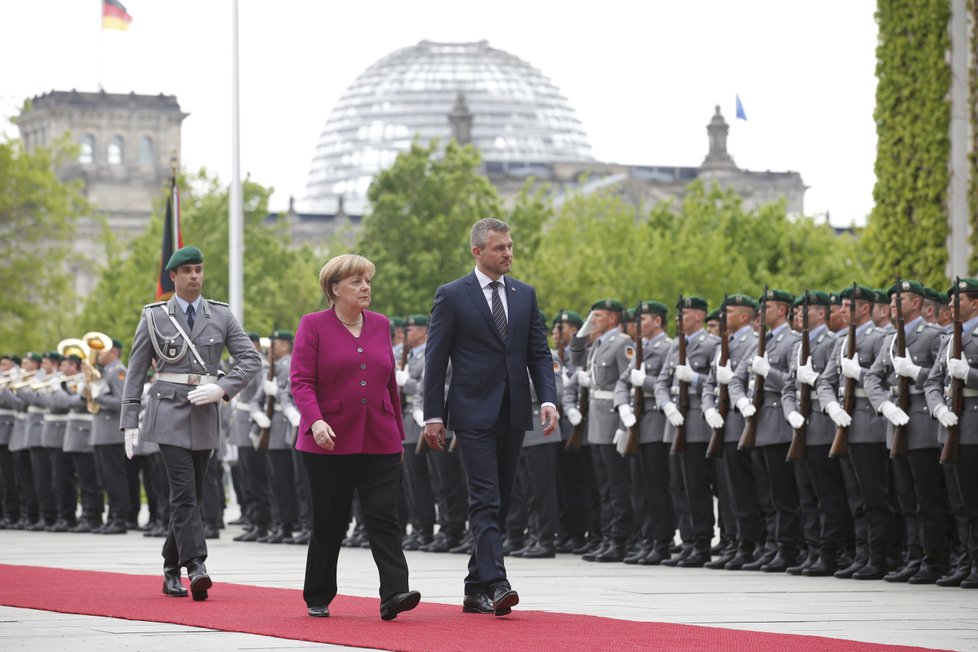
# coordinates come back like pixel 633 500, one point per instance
pixel 57 379
pixel 96 343
pixel 17 382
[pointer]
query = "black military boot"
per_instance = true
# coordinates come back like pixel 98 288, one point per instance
pixel 615 552
pixel 658 554
pixel 642 550
pixel 858 561
pixel 971 582
pixel 805 560
pixel 745 555
pixel 786 557
pixel 957 574
pixel 698 558
pixel 685 551
pixel 825 565
pixel 599 548
pixel 903 574
pixel 932 567
pixel 726 556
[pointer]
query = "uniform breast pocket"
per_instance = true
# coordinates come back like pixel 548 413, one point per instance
pixel 159 404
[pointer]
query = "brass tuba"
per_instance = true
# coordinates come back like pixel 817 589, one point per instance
pixel 96 343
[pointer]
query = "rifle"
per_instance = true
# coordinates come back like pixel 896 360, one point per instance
pixel 949 454
pixel 799 436
pixel 679 443
pixel 638 400
pixel 577 432
pixel 840 443
pixel 748 438
pixel 264 434
pixel 899 447
pixel 715 447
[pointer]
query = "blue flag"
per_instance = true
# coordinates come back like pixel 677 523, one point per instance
pixel 740 110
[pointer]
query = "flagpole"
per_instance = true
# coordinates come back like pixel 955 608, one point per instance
pixel 236 217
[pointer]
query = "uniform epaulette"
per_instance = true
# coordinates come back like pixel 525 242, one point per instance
pixel 625 336
pixel 153 305
pixel 218 303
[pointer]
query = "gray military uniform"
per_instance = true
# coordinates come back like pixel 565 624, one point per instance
pixel 937 387
pixel 652 425
pixel 281 434
pixel 412 390
pixel 821 429
pixel 105 423
pixel 701 348
pixel 743 345
pixel 610 356
pixel 242 407
pixel 771 425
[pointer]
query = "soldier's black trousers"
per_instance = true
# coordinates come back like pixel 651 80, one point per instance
pixel 807 505
pixel 113 476
pixel 25 484
pixel 11 494
pixel 696 485
pixel 448 482
pixel 654 460
pixel 42 475
pixel 254 472
pixel 92 503
pixel 784 493
pixel 540 490
pixel 185 471
pixel 747 511
pixel 918 480
pixel 420 496
pixel 303 499
pixel 870 463
pixel 213 505
pixel 854 504
pixel 967 479
pixel 619 481
pixel 826 476
pixel 64 483
pixel 680 503
pixel 283 486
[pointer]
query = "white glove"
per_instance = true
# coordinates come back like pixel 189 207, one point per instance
pixel 621 441
pixel 204 394
pixel 638 376
pixel 905 367
pixel 724 373
pixel 713 418
pixel 761 366
pixel 574 416
pixel 270 387
pixel 796 420
pixel 231 455
pixel 132 440
pixel 255 437
pixel 851 368
pixel 675 417
pixel 292 414
pixel 588 326
pixel 945 416
pixel 894 414
pixel 806 374
pixel 583 378
pixel 958 368
pixel 745 407
pixel 685 373
pixel 401 376
pixel 838 415
pixel 418 415
pixel 627 416
pixel 261 419
pixel 96 388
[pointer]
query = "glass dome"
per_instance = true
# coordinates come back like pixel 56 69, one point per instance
pixel 518 115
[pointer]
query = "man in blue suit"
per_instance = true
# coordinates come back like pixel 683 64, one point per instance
pixel 488 327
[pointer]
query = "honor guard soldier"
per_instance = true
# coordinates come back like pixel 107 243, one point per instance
pixel 658 522
pixel 40 474
pixel 31 370
pixel 773 431
pixel 10 513
pixel 78 446
pixel 185 336
pixel 916 469
pixel 62 477
pixel 961 475
pixel 693 465
pixel 108 440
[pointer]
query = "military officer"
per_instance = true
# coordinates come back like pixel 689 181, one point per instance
pixel 917 474
pixel 40 474
pixel 62 478
pixel 78 448
pixel 109 443
pixel 186 337
pixel 9 370
pixel 19 450
pixel 658 522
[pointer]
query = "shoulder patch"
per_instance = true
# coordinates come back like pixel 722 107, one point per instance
pixel 122 375
pixel 658 342
pixel 217 303
pixel 629 351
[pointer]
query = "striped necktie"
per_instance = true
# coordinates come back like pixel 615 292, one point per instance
pixel 498 314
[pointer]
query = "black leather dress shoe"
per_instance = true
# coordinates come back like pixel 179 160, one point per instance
pixel 614 553
pixel 955 577
pixel 319 611
pixel 504 598
pixel 781 562
pixel 930 571
pixel 874 570
pixel 465 547
pixel 799 567
pixel 300 539
pixel 211 531
pixel 172 586
pixel 696 559
pixel 571 544
pixel 904 574
pixel 971 582
pixel 116 527
pixel 640 552
pixel 722 560
pixel 824 567
pixel 478 603
pixel 513 544
pixel 589 555
pixel 252 535
pixel 658 554
pixel 278 536
pixel 856 565
pixel 397 603
pixel 684 552
pixel 200 581
pixel 539 551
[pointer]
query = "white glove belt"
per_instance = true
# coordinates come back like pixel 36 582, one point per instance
pixel 814 394
pixel 968 393
pixel 244 407
pixel 895 391
pixel 602 394
pixel 79 416
pixel 21 416
pixel 7 413
pixel 859 392
pixel 185 379
pixel 35 409
pixel 55 417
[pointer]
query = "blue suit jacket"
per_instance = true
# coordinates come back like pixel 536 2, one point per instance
pixel 461 330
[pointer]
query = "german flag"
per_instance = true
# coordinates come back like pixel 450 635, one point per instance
pixel 115 16
pixel 172 240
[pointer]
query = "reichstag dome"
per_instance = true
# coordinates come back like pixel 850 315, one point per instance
pixel 517 114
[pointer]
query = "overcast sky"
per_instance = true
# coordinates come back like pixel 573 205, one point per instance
pixel 643 76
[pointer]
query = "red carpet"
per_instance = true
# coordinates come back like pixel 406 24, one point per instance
pixel 356 621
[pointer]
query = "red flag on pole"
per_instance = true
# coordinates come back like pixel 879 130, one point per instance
pixel 172 240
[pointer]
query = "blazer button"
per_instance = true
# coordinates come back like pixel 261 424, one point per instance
pixel 363 401
pixel 363 383
pixel 359 349
pixel 363 366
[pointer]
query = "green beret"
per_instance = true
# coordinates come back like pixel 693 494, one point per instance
pixel 74 357
pixel 818 298
pixel 608 304
pixel 54 356
pixel 568 316
pixel 781 296
pixel 714 316
pixel 881 296
pixel 416 320
pixel 653 308
pixel 862 293
pixel 397 322
pixel 968 285
pixel 188 255
pixel 906 285
pixel 254 337
pixel 15 359
pixel 835 298
pixel 740 300
pixel 696 303
pixel 933 295
pixel 116 344
pixel 33 355
pixel 285 336
pixel 628 315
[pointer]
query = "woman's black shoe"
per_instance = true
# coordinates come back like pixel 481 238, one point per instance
pixel 319 611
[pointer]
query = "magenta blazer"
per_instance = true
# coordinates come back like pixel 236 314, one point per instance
pixel 348 382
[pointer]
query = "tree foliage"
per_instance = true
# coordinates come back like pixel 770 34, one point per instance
pixel 38 218
pixel 908 229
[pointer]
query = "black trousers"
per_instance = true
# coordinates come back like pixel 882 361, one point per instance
pixel 784 493
pixel 185 470
pixel 332 481
pixel 967 481
pixel 111 466
pixel 677 490
pixel 256 485
pixel 654 460
pixel 743 494
pixel 42 475
pixel 11 494
pixel 420 496
pixel 92 502
pixel 696 485
pixel 762 487
pixel 855 510
pixel 540 463
pixel 826 476
pixel 619 500
pixel 720 484
pixel 303 499
pixel 65 484
pixel 640 499
pixel 283 486
pixel 491 458
pixel 921 495
pixel 448 482
pixel 871 465
pixel 575 478
pixel 154 473
pixel 25 483
pixel 807 505
pixel 602 494
pixel 213 505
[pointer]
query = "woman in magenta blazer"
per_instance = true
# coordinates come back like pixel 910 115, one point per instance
pixel 350 434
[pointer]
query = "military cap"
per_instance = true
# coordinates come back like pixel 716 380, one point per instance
pixel 73 356
pixel 416 320
pixel 397 322
pixel 881 296
pixel 906 285
pixel 781 296
pixel 188 255
pixel 696 303
pixel 740 300
pixel 608 304
pixel 714 316
pixel 33 355
pixel 945 297
pixel 835 298
pixel 817 298
pixel 116 344
pixel 54 356
pixel 965 285
pixel 568 316
pixel 15 359
pixel 253 336
pixel 653 307
pixel 285 336
pixel 933 295
pixel 862 293
pixel 629 314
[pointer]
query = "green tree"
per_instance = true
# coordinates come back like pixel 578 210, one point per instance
pixel 38 217
pixel 907 229
pixel 281 282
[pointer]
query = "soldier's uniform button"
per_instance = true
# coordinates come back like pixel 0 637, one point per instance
pixel 363 366
pixel 212 340
pixel 157 394
pixel 359 349
pixel 363 383
pixel 363 401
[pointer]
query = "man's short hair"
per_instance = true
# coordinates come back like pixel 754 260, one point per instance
pixel 481 229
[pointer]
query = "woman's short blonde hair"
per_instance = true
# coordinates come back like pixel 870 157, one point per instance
pixel 342 267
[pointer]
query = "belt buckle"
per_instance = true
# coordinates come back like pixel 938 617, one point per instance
pixel 193 379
